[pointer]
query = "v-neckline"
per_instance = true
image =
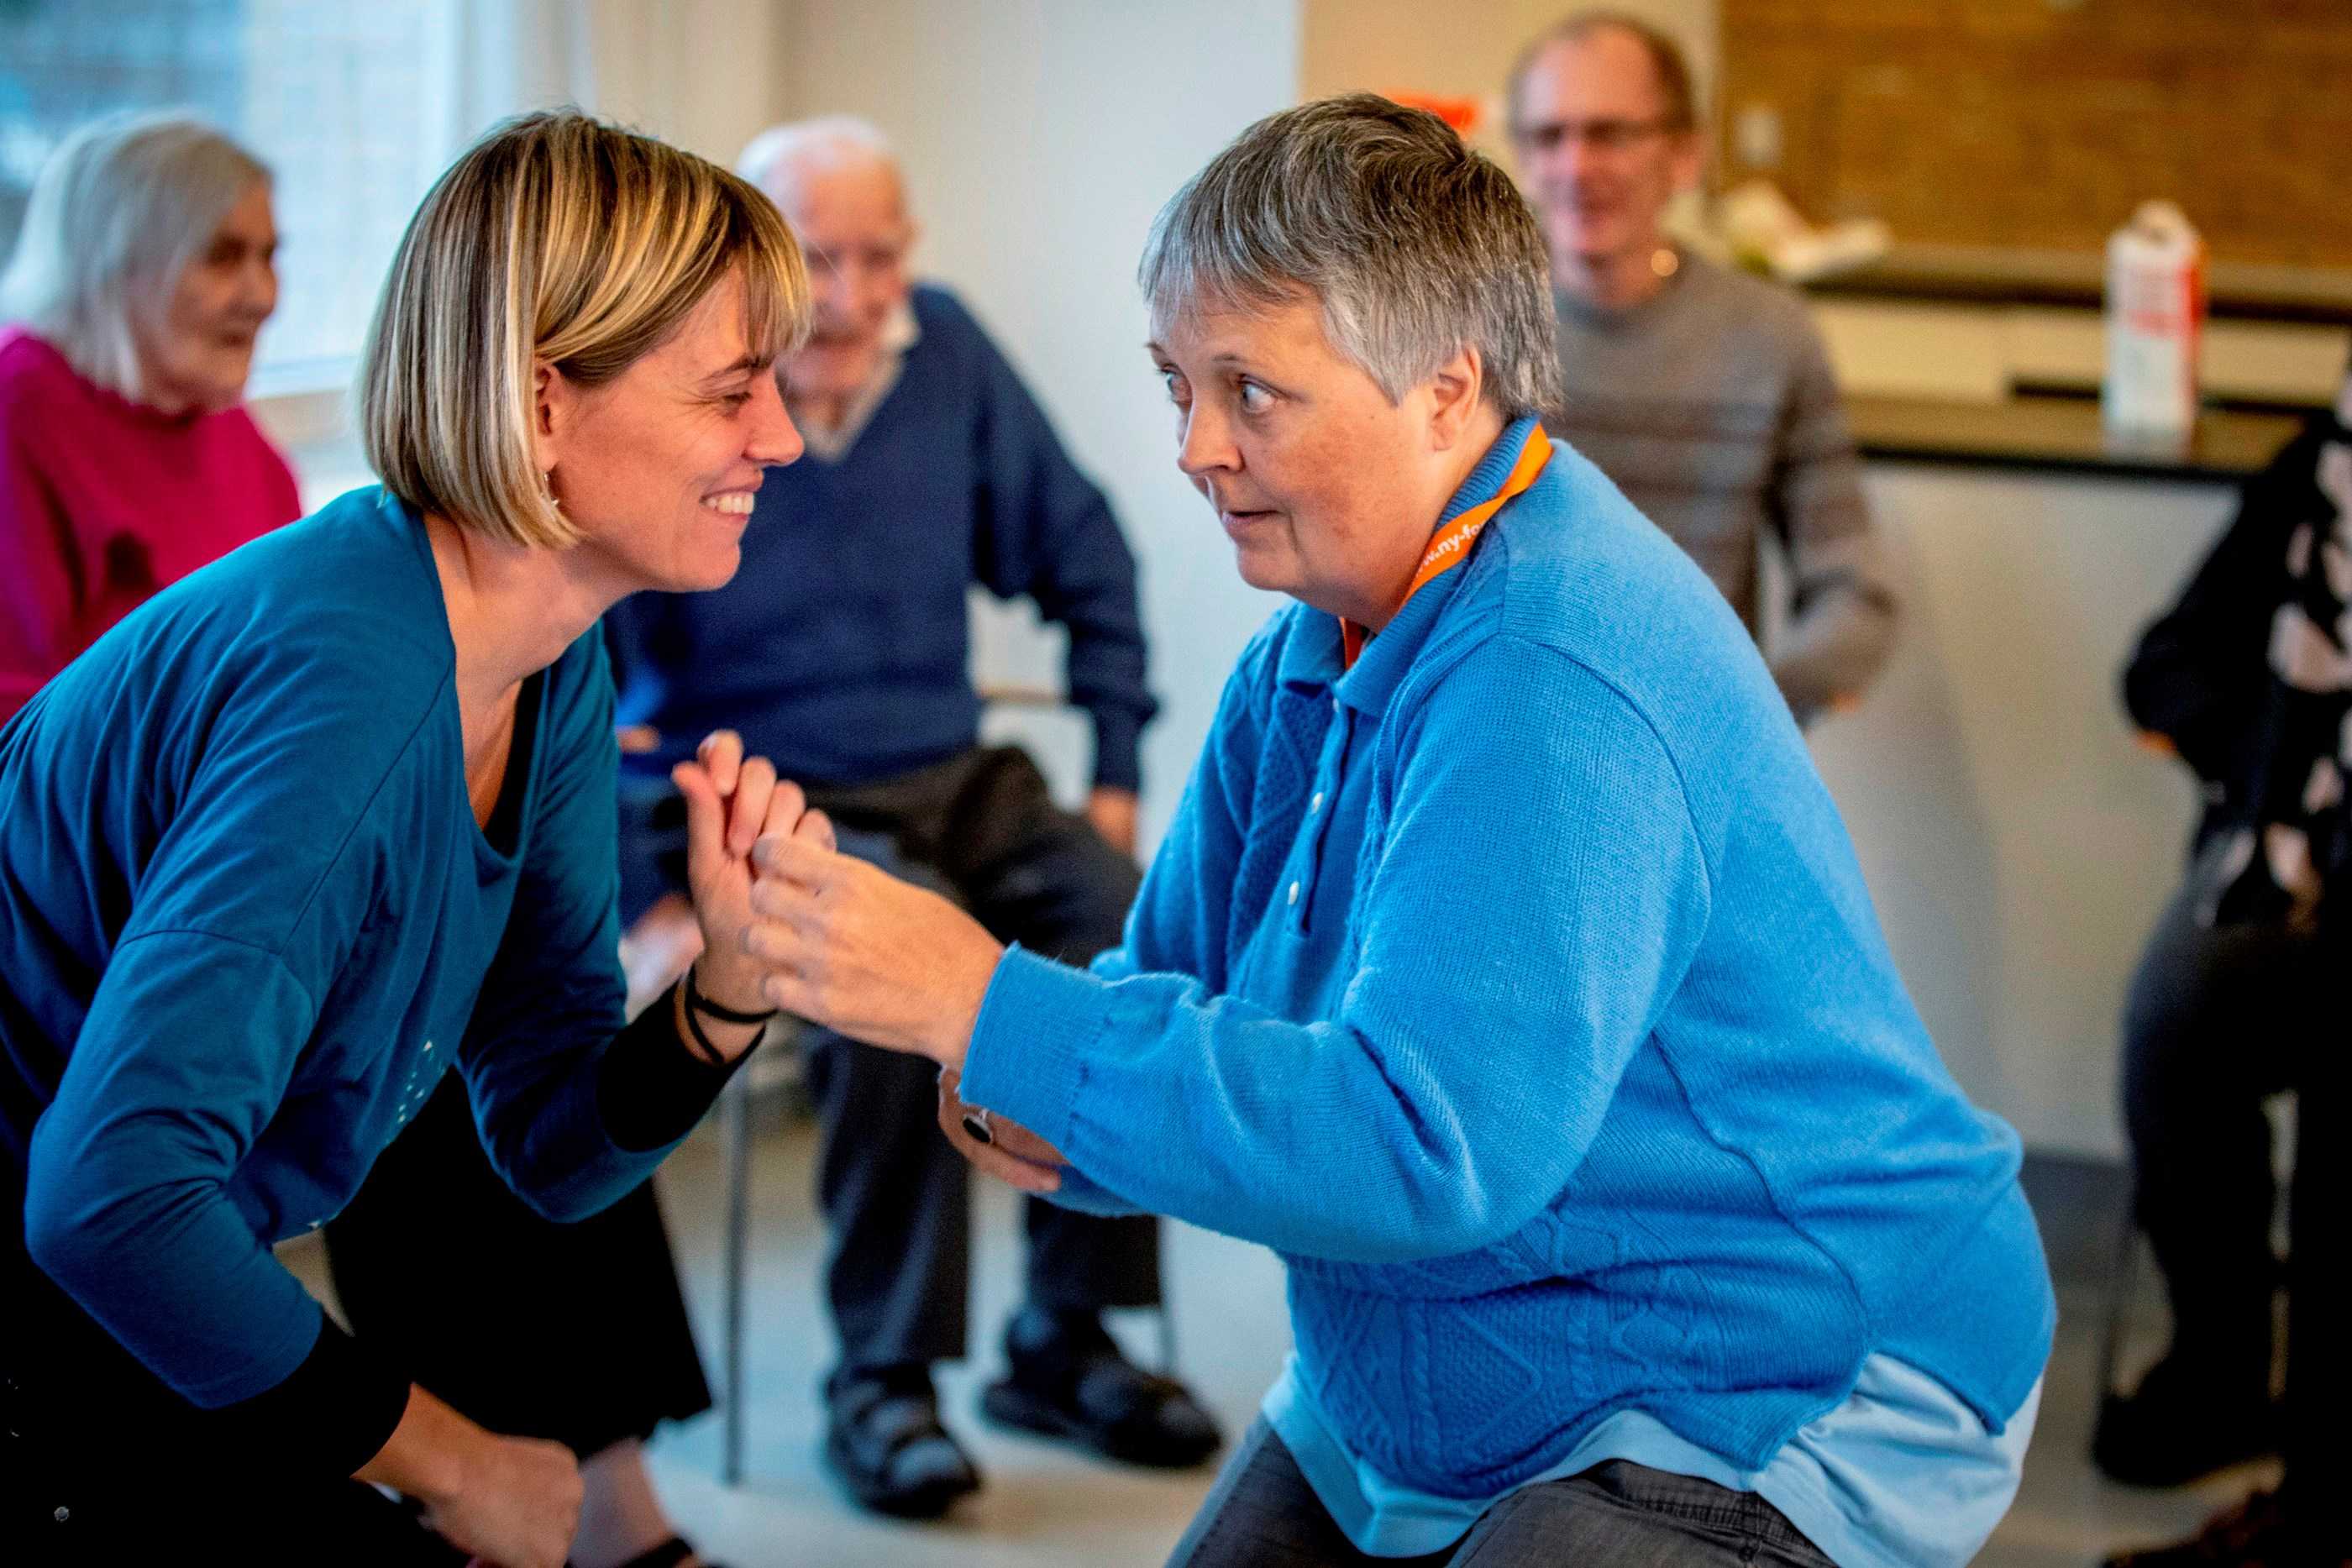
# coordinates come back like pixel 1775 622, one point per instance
pixel 498 842
pixel 501 838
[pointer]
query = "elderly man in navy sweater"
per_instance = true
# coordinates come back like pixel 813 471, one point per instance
pixel 841 650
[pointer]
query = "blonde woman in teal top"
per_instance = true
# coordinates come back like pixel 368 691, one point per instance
pixel 1506 966
pixel 335 815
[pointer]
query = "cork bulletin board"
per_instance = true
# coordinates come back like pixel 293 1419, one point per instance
pixel 2040 124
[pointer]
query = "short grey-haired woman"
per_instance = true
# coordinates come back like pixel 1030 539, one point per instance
pixel 139 280
pixel 1506 966
pixel 334 815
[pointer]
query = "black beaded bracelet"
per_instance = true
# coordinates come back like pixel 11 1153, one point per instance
pixel 697 1002
pixel 699 1045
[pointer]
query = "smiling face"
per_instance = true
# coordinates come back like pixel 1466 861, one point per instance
pixel 658 468
pixel 195 348
pixel 1595 143
pixel 1327 489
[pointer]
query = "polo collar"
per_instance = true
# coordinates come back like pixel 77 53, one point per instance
pixel 1311 658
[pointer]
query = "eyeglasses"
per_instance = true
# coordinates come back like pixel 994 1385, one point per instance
pixel 856 261
pixel 1601 135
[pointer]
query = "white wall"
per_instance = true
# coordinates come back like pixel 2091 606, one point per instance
pixel 2017 843
pixel 1040 137
pixel 706 75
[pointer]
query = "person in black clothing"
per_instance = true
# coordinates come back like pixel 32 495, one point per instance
pixel 2247 681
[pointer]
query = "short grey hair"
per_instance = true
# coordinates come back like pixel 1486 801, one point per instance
pixel 1415 245
pixel 118 212
pixel 827 141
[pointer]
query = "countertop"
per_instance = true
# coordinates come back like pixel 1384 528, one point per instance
pixel 2063 434
pixel 1989 275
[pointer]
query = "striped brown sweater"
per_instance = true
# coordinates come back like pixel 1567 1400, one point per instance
pixel 1713 407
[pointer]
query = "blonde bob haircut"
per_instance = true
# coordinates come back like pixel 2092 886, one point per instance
pixel 556 239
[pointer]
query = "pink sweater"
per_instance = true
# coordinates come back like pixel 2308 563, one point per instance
pixel 103 501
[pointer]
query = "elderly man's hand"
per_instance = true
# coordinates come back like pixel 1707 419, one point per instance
pixel 853 948
pixel 1013 1153
pixel 1113 812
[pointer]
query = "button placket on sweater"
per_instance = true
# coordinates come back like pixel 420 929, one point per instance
pixel 1306 859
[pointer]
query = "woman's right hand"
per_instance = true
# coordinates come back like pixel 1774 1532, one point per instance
pixel 519 1506
pixel 731 800
pixel 513 1502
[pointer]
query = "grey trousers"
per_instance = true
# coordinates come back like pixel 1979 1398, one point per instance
pixel 1262 1514
pixel 982 831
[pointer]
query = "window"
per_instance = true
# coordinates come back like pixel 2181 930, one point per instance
pixel 352 103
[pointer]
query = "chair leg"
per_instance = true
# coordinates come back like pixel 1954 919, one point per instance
pixel 738 1129
pixel 2123 1283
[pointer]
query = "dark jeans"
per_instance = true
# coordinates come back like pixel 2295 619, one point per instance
pixel 2219 1020
pixel 1262 1514
pixel 983 829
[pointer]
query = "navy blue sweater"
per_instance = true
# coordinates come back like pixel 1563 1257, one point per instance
pixel 842 649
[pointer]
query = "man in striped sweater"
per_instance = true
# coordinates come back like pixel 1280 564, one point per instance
pixel 1703 392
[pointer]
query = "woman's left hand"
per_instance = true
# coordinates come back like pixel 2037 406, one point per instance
pixel 854 949
pixel 1013 1153
pixel 730 802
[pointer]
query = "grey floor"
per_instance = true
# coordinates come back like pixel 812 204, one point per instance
pixel 1047 1506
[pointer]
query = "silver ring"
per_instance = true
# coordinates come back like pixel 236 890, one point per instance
pixel 976 1123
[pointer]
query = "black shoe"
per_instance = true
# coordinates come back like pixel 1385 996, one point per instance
pixel 1069 1380
pixel 2250 1534
pixel 2181 1423
pixel 884 1443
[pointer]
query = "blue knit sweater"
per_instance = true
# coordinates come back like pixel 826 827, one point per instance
pixel 1519 986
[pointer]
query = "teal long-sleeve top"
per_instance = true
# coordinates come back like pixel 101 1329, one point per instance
pixel 247 919
pixel 1518 985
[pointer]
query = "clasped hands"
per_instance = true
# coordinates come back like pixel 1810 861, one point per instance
pixel 833 939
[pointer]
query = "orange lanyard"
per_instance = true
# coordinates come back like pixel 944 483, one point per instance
pixel 1451 547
